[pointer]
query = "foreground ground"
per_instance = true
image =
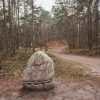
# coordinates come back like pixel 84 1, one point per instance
pixel 73 81
pixel 65 89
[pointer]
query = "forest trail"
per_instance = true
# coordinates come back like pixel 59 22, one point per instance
pixel 91 63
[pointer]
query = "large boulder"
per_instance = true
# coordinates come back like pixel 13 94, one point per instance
pixel 39 72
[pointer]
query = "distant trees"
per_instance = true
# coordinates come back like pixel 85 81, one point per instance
pixel 78 22
pixel 9 25
pixel 23 24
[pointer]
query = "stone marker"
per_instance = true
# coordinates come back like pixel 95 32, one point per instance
pixel 39 72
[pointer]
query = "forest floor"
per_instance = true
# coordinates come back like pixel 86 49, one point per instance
pixel 73 80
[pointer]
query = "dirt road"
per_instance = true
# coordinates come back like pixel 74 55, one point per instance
pixel 92 63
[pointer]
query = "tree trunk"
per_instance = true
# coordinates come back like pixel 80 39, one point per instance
pixel 89 19
pixel 96 21
pixel 5 22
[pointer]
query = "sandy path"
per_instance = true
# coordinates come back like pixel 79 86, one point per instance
pixel 92 63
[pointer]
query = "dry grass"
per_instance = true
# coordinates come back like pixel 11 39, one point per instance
pixel 84 52
pixel 16 63
pixel 68 68
pixel 73 70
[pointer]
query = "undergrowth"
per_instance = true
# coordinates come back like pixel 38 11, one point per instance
pixel 84 52
pixel 68 69
pixel 14 65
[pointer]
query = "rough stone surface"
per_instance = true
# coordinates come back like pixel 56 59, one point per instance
pixel 39 72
